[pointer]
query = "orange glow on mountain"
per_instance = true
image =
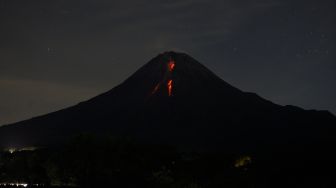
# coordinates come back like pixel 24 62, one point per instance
pixel 156 88
pixel 171 65
pixel 170 87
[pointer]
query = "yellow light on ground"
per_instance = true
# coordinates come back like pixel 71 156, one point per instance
pixel 243 161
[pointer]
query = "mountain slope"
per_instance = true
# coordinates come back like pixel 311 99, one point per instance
pixel 174 99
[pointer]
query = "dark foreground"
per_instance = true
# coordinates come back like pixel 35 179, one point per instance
pixel 92 162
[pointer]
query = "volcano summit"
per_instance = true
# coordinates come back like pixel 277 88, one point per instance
pixel 175 100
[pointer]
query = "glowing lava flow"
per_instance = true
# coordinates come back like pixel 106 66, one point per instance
pixel 171 65
pixel 170 87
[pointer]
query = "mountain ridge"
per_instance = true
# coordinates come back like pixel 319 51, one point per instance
pixel 175 99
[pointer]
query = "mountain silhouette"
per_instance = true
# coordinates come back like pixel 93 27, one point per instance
pixel 173 99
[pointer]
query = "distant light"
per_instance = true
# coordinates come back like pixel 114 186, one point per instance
pixel 243 161
pixel 13 150
pixel 15 184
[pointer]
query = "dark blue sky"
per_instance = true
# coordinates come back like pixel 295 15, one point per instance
pixel 54 54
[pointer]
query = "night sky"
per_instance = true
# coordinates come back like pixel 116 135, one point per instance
pixel 56 53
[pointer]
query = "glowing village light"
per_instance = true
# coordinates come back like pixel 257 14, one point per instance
pixel 11 150
pixel 14 184
pixel 243 161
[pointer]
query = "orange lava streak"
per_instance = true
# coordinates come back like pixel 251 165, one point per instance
pixel 170 87
pixel 171 65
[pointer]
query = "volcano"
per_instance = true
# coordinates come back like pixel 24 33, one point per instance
pixel 173 99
